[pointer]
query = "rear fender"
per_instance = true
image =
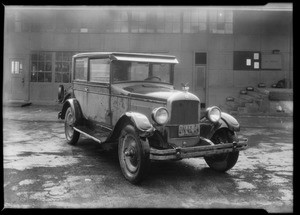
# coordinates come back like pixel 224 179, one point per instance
pixel 75 107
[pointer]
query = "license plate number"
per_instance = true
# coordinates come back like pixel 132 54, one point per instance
pixel 189 130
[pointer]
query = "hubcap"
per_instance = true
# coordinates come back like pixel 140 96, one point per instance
pixel 68 125
pixel 130 154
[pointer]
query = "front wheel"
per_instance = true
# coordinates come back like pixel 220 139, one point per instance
pixel 222 162
pixel 133 155
pixel 72 136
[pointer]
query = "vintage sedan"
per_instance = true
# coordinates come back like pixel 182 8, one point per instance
pixel 128 100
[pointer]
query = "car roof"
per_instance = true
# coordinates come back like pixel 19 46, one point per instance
pixel 125 56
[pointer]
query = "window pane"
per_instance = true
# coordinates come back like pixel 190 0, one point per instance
pixel 16 67
pixel 81 68
pixel 58 77
pixel 221 16
pixel 33 77
pixel 58 67
pixel 65 56
pixel 186 17
pixel 186 27
pixel 162 71
pixel 58 56
pixel 12 67
pixel 48 77
pixel 124 27
pixel 65 67
pixel 194 17
pixel 99 70
pixel 41 66
pixel 34 57
pixel 228 28
pixel 34 66
pixel 48 66
pixel 66 77
pixel 41 56
pixel 40 77
pixel 168 27
pixel 202 16
pixel 49 56
pixel 202 27
pixel 228 16
pixel 176 27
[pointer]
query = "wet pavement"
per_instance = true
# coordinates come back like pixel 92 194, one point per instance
pixel 42 171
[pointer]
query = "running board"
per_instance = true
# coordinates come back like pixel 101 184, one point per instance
pixel 99 137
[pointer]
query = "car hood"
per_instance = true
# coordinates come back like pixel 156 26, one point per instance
pixel 153 91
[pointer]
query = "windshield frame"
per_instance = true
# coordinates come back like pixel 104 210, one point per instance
pixel 171 66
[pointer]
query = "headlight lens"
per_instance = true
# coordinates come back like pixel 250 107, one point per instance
pixel 214 114
pixel 160 115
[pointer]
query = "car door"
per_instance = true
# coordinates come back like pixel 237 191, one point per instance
pixel 97 105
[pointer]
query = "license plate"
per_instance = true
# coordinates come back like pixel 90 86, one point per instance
pixel 189 130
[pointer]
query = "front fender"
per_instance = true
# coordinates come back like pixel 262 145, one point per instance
pixel 141 122
pixel 74 104
pixel 229 122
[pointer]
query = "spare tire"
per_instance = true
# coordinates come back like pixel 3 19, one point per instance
pixel 61 93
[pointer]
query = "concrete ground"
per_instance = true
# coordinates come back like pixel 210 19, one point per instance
pixel 42 171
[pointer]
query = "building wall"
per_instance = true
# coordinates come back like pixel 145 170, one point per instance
pixel 262 31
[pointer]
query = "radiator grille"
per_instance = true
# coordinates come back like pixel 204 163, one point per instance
pixel 184 112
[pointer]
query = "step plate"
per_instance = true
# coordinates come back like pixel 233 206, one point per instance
pixel 99 136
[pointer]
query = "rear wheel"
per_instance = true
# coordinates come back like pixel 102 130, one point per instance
pixel 222 162
pixel 133 155
pixel 72 136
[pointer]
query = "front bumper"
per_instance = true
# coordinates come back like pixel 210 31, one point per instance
pixel 197 151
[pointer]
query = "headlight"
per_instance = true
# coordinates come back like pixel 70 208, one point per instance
pixel 214 114
pixel 160 115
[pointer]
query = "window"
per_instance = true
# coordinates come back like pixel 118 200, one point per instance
pixel 16 67
pixel 221 22
pixel 137 71
pixel 194 21
pixel 63 66
pixel 118 23
pixel 138 24
pixel 81 65
pixel 162 71
pixel 99 70
pixel 155 22
pixel 44 64
pixel 168 22
pixel 41 67
pixel 200 58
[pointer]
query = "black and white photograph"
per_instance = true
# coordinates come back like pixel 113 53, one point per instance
pixel 202 118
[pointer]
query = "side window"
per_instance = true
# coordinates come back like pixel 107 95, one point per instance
pixel 81 65
pixel 99 70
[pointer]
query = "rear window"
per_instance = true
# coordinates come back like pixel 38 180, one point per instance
pixel 81 68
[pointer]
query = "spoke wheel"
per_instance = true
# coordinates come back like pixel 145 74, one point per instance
pixel 222 162
pixel 133 155
pixel 72 136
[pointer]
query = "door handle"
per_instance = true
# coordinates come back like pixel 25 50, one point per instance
pixel 86 89
pixel 23 80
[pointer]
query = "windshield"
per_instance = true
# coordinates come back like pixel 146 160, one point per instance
pixel 139 71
